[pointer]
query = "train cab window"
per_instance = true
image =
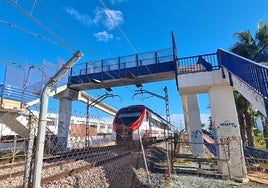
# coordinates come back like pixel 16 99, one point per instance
pixel 127 118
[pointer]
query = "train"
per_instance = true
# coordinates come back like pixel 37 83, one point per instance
pixel 137 121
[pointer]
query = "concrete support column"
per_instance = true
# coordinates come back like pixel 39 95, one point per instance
pixel 185 113
pixel 193 124
pixel 227 132
pixel 65 111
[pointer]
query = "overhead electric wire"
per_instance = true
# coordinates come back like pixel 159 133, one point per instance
pixel 40 36
pixel 41 25
pixel 118 26
pixel 30 32
pixel 33 7
pixel 65 43
pixel 69 29
pixel 124 35
pixel 62 43
pixel 62 23
pixel 122 32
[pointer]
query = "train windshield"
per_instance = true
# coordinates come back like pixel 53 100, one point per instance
pixel 127 118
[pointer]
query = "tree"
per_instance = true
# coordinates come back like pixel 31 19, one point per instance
pixel 203 125
pixel 250 48
pixel 241 120
pixel 210 127
pixel 265 132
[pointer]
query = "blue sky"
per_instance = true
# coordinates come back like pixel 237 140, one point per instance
pixel 56 30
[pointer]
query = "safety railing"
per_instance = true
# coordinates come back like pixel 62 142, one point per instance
pixel 200 63
pixel 17 94
pixel 124 62
pixel 251 73
pixel 256 160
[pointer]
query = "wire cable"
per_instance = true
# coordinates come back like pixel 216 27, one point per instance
pixel 124 34
pixel 120 29
pixel 33 7
pixel 30 32
pixel 66 43
pixel 15 5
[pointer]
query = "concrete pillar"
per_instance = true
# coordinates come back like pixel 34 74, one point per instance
pixel 226 127
pixel 185 113
pixel 193 124
pixel 65 111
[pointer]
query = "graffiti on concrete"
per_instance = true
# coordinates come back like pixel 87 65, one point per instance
pixel 197 146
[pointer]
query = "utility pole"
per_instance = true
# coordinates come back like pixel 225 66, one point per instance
pixel 89 105
pixel 38 159
pixel 165 98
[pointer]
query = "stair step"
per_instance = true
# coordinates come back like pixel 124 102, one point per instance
pixel 15 125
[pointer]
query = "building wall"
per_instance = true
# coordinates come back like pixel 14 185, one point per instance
pixel 79 130
pixel 78 126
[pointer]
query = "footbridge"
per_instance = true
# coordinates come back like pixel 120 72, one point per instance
pixel 218 74
pixel 249 78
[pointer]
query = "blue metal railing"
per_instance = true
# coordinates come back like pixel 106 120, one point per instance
pixel 118 63
pixel 116 68
pixel 16 94
pixel 1 90
pixel 252 152
pixel 25 84
pixel 249 152
pixel 251 73
pixel 142 64
pixel 200 63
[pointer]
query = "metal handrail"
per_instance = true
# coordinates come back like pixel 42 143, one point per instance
pixel 251 73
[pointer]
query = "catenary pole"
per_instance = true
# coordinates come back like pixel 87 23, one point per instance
pixel 142 91
pixel 38 161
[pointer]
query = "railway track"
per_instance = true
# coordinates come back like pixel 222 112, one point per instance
pixel 60 156
pixel 68 165
pixel 62 165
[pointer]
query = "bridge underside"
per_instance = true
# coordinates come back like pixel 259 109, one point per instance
pixel 136 80
pixel 122 77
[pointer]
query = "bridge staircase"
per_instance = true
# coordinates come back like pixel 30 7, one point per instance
pixel 19 123
pixel 15 109
pixel 13 102
pixel 249 78
pixel 18 93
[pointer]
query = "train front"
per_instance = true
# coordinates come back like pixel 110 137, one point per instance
pixel 126 121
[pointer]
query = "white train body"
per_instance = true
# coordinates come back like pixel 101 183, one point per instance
pixel 133 122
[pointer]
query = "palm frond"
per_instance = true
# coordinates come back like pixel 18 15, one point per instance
pixel 262 34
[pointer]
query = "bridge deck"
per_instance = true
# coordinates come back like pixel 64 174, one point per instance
pixel 136 69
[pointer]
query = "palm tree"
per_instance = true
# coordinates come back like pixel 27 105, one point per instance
pixel 265 133
pixel 250 48
pixel 210 127
pixel 241 120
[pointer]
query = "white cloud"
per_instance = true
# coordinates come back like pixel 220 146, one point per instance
pixel 109 18
pixel 103 36
pixel 84 19
pixel 117 1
